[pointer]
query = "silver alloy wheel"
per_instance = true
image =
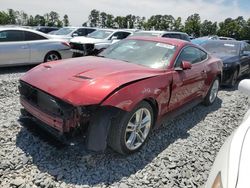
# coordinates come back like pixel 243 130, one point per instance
pixel 52 57
pixel 138 128
pixel 214 91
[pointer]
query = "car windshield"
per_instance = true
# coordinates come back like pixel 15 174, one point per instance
pixel 221 48
pixel 147 53
pixel 150 34
pixel 100 34
pixel 63 31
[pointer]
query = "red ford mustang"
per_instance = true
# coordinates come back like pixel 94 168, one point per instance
pixel 120 96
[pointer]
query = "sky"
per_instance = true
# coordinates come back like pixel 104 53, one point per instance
pixel 78 10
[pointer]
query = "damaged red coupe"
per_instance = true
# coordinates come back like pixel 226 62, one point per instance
pixel 121 95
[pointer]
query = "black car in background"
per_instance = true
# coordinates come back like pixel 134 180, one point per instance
pixel 235 56
pixel 46 29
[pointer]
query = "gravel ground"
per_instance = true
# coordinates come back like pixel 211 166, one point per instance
pixel 179 154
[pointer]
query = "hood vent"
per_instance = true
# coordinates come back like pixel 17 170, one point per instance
pixel 83 77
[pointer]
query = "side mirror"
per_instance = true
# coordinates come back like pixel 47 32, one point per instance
pixel 114 38
pixel 74 35
pixel 184 66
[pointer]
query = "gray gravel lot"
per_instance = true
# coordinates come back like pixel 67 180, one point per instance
pixel 179 154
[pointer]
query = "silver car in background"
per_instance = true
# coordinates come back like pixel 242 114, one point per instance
pixel 68 33
pixel 19 46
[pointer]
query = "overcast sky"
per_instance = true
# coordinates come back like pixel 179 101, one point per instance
pixel 78 10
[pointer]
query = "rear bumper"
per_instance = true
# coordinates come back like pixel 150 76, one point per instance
pixel 65 54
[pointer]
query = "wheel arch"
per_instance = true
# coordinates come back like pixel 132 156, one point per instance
pixel 52 51
pixel 154 105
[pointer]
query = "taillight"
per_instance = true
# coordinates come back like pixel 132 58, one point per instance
pixel 66 44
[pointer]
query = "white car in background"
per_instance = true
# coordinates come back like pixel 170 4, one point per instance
pixel 97 41
pixel 232 164
pixel 68 33
pixel 19 46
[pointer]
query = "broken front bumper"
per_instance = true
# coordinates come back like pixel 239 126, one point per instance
pixel 52 121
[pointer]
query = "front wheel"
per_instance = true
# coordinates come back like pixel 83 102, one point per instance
pixel 129 132
pixel 212 93
pixel 234 79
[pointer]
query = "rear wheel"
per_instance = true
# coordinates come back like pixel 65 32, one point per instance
pixel 129 132
pixel 52 56
pixel 212 93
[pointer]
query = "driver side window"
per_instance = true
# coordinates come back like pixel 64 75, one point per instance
pixel 121 35
pixel 192 55
pixel 246 47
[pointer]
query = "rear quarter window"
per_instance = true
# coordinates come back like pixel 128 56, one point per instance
pixel 29 36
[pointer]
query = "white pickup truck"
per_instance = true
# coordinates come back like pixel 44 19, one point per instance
pixel 97 41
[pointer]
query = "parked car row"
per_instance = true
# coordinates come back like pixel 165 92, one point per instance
pixel 19 46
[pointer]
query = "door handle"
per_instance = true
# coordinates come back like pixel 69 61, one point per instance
pixel 203 71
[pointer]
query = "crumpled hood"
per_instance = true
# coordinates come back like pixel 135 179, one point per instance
pixel 86 40
pixel 86 80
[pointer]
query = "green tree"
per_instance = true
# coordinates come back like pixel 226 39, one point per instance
pixel 103 19
pixel 208 28
pixel 120 22
pixel 94 18
pixel 193 25
pixel 39 20
pixel 85 24
pixel 4 18
pixel 65 20
pixel 31 21
pixel 229 28
pixel 54 19
pixel 177 26
pixel 110 21
pixel 12 16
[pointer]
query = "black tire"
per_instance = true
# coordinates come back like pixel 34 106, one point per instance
pixel 52 56
pixel 209 99
pixel 117 133
pixel 234 78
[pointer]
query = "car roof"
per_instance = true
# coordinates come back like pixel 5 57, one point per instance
pixel 172 41
pixel 223 41
pixel 160 32
pixel 24 29
pixel 115 30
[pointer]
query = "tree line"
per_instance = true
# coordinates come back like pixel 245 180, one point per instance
pixel 237 28
pixel 13 17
